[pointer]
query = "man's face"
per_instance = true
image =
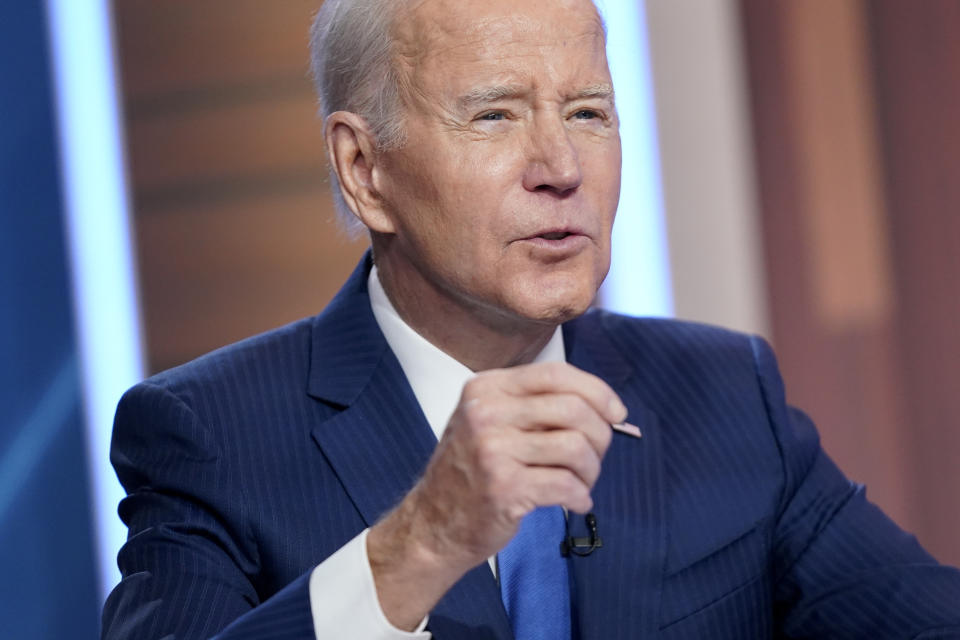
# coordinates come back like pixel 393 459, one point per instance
pixel 503 198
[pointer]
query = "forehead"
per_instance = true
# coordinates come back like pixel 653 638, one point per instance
pixel 456 41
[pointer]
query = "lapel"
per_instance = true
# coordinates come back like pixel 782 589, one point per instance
pixel 616 589
pixel 379 442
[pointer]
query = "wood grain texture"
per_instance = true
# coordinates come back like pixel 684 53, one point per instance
pixel 220 273
pixel 234 223
pixel 828 62
pixel 857 146
pixel 918 80
pixel 180 46
pixel 839 361
pixel 241 138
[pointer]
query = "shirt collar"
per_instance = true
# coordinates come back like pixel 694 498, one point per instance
pixel 437 378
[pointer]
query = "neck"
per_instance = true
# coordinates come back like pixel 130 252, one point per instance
pixel 477 337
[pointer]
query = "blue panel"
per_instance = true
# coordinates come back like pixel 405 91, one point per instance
pixel 48 585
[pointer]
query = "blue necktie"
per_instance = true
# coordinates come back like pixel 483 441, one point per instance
pixel 533 578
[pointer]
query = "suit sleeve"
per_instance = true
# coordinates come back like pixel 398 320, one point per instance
pixel 189 562
pixel 842 568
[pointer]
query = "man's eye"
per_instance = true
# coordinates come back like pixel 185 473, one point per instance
pixel 586 114
pixel 493 116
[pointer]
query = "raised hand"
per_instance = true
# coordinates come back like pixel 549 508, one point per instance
pixel 522 437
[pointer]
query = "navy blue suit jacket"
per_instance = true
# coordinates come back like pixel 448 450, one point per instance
pixel 249 466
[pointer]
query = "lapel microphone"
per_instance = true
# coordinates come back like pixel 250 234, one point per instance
pixel 581 546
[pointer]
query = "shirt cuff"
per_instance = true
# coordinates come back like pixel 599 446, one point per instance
pixel 343 598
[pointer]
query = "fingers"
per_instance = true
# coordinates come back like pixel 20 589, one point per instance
pixel 563 411
pixel 560 377
pixel 547 486
pixel 562 416
pixel 542 397
pixel 523 437
pixel 565 449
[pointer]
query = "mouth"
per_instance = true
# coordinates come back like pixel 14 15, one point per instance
pixel 556 234
pixel 556 244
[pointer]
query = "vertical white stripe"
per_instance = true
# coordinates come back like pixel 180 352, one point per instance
pixel 98 236
pixel 639 278
pixel 707 160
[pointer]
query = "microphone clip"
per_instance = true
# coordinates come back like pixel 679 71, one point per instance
pixel 582 546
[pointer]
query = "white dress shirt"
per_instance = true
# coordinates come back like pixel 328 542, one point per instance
pixel 343 598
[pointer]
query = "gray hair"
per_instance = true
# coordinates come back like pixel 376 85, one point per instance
pixel 351 51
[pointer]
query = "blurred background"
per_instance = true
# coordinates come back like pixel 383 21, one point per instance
pixel 790 170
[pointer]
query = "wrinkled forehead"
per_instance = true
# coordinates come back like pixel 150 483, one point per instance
pixel 448 36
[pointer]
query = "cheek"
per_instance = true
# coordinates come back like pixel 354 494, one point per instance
pixel 479 199
pixel 602 172
pixel 411 185
pixel 481 172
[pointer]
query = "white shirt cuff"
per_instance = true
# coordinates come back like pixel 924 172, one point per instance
pixel 343 598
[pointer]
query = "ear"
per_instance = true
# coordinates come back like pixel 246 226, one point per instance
pixel 351 148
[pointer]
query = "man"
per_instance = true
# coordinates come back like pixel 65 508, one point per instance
pixel 292 486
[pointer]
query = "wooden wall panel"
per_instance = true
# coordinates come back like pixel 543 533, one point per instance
pixel 219 272
pixel 236 140
pixel 179 48
pixel 828 63
pixel 917 67
pixel 860 234
pixel 234 222
pixel 817 179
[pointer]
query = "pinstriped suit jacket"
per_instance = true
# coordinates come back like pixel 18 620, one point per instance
pixel 249 466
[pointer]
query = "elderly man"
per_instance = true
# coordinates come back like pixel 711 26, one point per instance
pixel 293 485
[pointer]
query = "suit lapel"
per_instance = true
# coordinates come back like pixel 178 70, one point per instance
pixel 380 442
pixel 617 588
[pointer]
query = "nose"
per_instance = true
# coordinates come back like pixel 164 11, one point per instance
pixel 553 162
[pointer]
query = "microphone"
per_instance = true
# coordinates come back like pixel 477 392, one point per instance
pixel 581 546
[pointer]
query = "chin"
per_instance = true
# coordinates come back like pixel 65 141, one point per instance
pixel 558 308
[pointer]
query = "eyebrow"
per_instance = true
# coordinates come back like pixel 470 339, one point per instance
pixel 604 91
pixel 485 95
